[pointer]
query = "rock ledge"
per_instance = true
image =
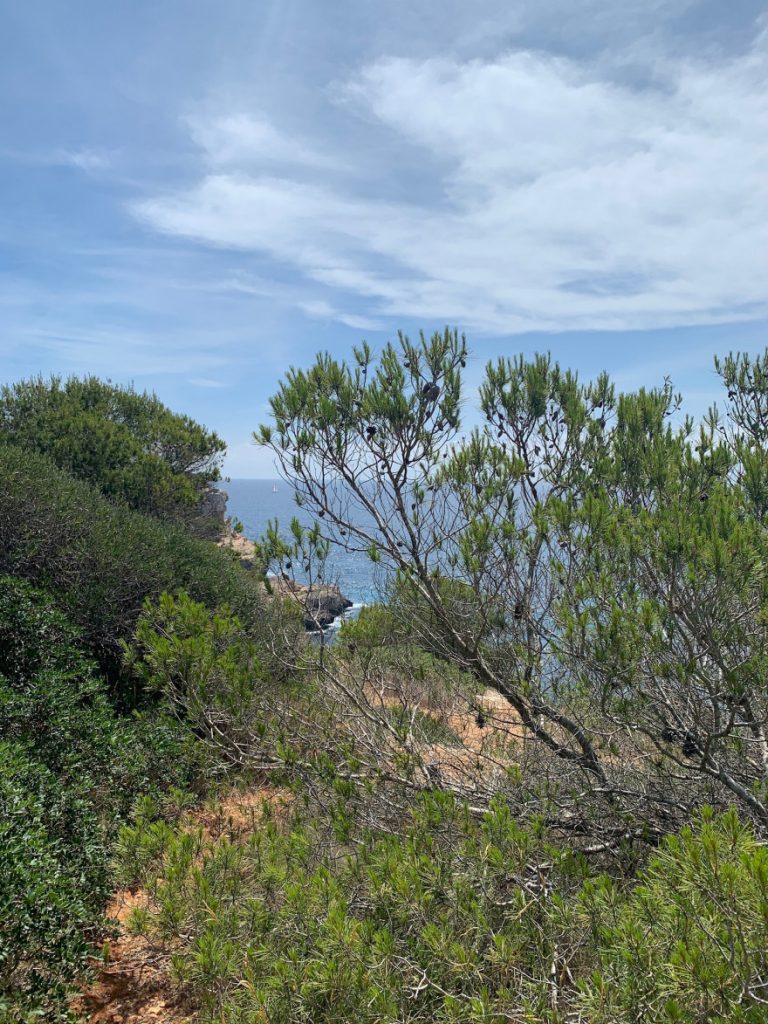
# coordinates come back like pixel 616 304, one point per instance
pixel 320 604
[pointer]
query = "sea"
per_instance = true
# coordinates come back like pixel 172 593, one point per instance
pixel 258 502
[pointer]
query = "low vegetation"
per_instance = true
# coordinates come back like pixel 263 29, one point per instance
pixel 457 918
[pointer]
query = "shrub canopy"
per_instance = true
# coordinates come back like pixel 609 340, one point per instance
pixel 70 770
pixel 103 558
pixel 126 443
pixel 456 920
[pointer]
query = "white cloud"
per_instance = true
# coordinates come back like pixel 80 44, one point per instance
pixel 561 198
pixel 241 139
pixel 319 309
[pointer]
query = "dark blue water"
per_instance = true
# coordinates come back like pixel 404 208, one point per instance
pixel 256 502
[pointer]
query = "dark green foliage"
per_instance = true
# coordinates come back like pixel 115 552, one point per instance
pixel 54 704
pixel 50 698
pixel 101 558
pixel 210 671
pixel 375 627
pixel 128 445
pixel 71 766
pixel 70 770
pixel 53 884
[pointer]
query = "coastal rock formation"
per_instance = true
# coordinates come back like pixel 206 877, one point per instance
pixel 214 505
pixel 241 546
pixel 320 604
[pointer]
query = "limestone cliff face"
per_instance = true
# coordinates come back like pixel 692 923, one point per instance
pixel 214 505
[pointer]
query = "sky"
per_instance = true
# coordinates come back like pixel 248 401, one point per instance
pixel 198 194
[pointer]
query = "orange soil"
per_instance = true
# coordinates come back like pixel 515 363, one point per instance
pixel 132 987
pixel 135 985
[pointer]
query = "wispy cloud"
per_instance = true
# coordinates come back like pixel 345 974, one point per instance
pixel 86 159
pixel 124 322
pixel 319 309
pixel 242 139
pixel 563 198
pixel 294 296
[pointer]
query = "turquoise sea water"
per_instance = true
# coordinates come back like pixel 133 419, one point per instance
pixel 256 502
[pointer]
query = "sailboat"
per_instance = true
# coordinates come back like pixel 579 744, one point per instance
pixel 274 488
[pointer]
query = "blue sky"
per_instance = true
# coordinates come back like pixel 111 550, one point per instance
pixel 197 194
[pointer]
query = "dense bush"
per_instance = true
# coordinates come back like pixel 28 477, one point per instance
pixel 690 941
pixel 70 770
pixel 129 445
pixel 374 629
pixel 208 670
pixel 101 558
pixel 392 723
pixel 446 922
pixel 383 637
pixel 53 884
pixel 55 705
pixel 71 766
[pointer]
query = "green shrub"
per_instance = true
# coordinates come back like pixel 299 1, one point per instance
pixel 55 705
pixel 70 771
pixel 689 943
pixel 448 921
pixel 102 559
pixel 53 884
pixel 454 918
pixel 128 445
pixel 207 667
pixel 369 635
pixel 382 637
pixel 51 700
